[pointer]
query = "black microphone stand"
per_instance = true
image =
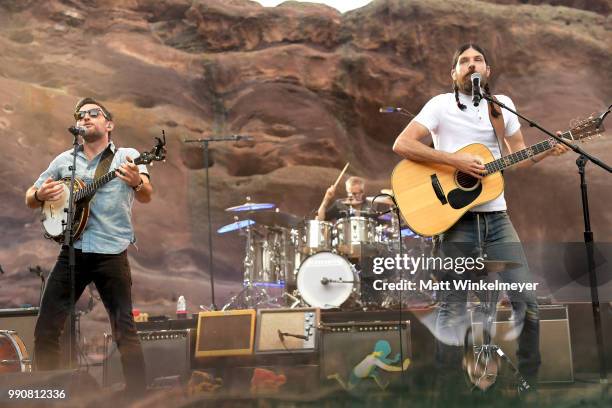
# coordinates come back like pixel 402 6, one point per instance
pixel 205 142
pixel 69 244
pixel 581 162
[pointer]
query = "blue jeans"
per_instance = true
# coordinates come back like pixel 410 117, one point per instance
pixel 492 236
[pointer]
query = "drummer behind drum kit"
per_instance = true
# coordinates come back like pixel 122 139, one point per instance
pixel 294 261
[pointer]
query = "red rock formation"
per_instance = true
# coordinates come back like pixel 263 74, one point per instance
pixel 305 81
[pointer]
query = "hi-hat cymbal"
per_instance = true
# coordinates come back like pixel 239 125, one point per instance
pixel 380 200
pixel 248 206
pixel 351 202
pixel 275 219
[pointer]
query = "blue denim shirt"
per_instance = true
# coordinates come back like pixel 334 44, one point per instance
pixel 109 228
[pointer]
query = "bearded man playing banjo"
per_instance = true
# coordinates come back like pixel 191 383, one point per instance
pixel 101 249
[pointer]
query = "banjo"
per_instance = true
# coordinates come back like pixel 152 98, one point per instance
pixel 54 214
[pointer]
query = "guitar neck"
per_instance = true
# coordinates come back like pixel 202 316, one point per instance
pixel 521 155
pixel 90 189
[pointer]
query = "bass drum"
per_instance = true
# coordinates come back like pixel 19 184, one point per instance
pixel 326 280
pixel 13 353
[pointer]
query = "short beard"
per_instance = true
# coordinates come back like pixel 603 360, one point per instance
pixel 466 85
pixel 93 136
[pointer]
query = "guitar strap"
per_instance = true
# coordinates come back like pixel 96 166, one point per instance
pixel 105 162
pixel 498 127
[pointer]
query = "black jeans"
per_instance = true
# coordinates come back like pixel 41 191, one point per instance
pixel 111 275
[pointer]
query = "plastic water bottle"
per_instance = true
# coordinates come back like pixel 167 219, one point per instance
pixel 181 308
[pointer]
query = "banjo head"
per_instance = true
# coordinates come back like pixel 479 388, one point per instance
pixel 55 213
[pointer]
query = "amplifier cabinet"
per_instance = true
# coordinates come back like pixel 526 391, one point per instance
pixel 555 343
pixel 349 349
pixel 167 353
pixel 225 333
pixel 286 330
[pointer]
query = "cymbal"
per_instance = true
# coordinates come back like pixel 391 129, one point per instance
pixel 496 266
pixel 275 219
pixel 234 226
pixel 380 200
pixel 248 206
pixel 350 201
pixel 407 232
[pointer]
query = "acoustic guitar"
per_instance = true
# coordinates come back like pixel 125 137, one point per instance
pixel 54 214
pixel 432 197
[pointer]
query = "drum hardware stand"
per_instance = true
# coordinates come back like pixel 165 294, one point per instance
pixel 253 295
pixel 396 210
pixel 205 142
pixel 581 162
pixel 39 272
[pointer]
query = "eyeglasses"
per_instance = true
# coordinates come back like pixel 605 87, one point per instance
pixel 93 113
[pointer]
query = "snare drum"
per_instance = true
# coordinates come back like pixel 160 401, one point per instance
pixel 352 232
pixel 14 357
pixel 316 236
pixel 327 280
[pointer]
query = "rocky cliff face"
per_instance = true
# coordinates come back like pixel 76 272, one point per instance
pixel 306 82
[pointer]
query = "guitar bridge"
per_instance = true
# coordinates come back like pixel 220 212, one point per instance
pixel 437 187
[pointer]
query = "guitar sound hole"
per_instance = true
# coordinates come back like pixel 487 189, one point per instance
pixel 465 181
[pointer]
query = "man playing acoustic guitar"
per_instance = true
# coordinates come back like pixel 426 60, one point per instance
pixel 454 122
pixel 101 250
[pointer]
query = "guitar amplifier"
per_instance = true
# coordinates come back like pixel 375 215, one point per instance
pixel 225 333
pixel 555 344
pixel 346 347
pixel 167 353
pixel 286 330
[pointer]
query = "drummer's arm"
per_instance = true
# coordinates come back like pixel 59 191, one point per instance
pixel 329 195
pixel 321 212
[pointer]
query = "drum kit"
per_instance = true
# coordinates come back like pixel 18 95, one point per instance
pixel 14 357
pixel 294 261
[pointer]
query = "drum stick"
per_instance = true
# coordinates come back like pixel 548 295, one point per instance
pixel 341 174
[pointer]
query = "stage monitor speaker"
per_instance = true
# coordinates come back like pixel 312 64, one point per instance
pixel 348 351
pixel 225 333
pixel 167 353
pixel 279 330
pixel 555 344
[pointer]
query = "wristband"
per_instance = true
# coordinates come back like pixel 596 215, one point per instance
pixel 36 197
pixel 139 186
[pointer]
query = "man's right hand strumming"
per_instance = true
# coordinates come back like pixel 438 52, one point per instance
pixel 50 190
pixel 468 163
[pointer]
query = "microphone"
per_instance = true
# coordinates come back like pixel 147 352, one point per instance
pixel 389 109
pixel 282 335
pixel 241 137
pixel 324 281
pixel 476 94
pixel 77 130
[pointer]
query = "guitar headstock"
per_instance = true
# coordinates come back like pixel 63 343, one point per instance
pixel 157 153
pixel 586 128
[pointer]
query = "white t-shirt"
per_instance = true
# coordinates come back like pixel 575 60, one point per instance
pixel 451 129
